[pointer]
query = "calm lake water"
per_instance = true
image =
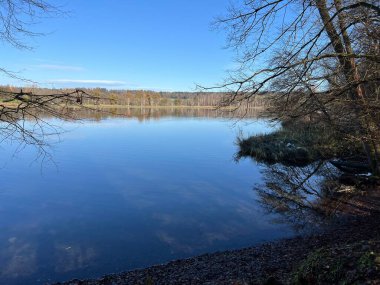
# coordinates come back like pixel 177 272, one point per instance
pixel 125 193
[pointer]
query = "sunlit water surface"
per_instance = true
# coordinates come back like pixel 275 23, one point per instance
pixel 121 194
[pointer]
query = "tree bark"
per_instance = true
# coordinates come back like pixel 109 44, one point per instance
pixel 352 76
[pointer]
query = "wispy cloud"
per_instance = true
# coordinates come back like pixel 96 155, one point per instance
pixel 88 82
pixel 59 67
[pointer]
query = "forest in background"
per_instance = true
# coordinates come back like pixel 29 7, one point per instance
pixel 136 98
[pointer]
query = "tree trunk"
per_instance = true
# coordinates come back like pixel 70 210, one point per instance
pixel 369 141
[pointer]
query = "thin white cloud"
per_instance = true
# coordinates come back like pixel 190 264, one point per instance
pixel 87 82
pixel 59 67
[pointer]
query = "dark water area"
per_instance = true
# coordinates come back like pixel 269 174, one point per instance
pixel 124 193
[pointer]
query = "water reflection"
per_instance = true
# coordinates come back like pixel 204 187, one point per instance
pixel 294 192
pixel 124 194
pixel 143 114
pixel 20 256
pixel 311 196
pixel 72 257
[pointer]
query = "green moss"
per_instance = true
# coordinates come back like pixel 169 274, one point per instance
pixel 318 268
pixel 148 281
pixel 367 260
pixel 346 264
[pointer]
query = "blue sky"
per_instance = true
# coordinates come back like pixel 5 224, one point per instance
pixel 133 44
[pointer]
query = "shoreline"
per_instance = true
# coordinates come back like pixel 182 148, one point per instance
pixel 276 262
pixel 214 108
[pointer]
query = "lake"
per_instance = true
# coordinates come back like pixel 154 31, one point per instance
pixel 121 193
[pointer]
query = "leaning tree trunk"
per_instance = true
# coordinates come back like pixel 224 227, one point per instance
pixel 352 76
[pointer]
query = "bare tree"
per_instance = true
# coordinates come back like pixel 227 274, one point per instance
pixel 321 59
pixel 17 18
pixel 19 107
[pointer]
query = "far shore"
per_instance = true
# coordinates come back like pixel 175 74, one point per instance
pixel 94 106
pixel 106 106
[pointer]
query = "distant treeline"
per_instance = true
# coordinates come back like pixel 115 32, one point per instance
pixel 143 98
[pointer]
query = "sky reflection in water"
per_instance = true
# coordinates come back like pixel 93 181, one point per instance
pixel 124 194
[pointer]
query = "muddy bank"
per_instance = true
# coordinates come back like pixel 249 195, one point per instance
pixel 349 253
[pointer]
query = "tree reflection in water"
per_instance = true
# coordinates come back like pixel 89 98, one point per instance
pixel 313 195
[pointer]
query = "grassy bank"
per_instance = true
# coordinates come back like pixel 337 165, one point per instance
pixel 297 144
pixel 291 145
